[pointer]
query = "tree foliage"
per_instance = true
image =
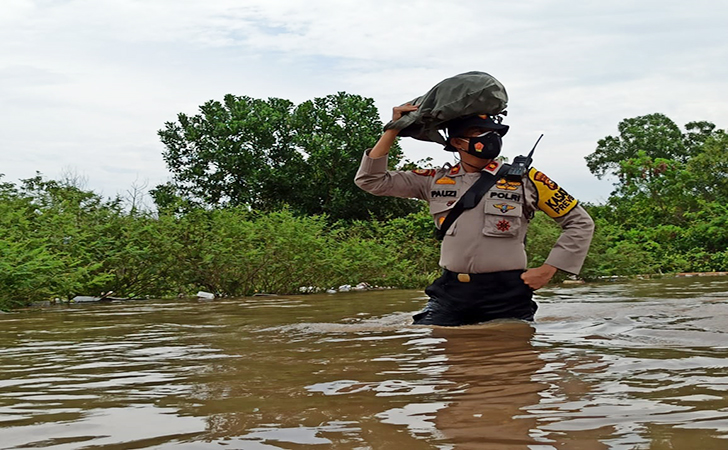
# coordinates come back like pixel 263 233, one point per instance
pixel 668 209
pixel 655 135
pixel 222 155
pixel 267 154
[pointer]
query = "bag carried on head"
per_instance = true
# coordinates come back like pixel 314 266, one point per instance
pixel 462 95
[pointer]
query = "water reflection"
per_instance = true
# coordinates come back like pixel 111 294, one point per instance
pixel 492 368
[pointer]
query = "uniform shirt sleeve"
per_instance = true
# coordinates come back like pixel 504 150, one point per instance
pixel 577 226
pixel 374 178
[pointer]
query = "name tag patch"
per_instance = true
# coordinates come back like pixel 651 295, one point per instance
pixel 505 196
pixel 444 193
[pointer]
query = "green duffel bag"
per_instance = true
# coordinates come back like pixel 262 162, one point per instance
pixel 459 96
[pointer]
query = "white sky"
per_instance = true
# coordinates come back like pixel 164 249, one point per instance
pixel 86 84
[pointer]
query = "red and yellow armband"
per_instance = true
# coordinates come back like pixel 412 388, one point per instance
pixel 552 199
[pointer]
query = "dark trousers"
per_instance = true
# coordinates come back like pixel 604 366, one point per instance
pixel 486 296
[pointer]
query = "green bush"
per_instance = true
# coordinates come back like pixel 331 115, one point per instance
pixel 58 240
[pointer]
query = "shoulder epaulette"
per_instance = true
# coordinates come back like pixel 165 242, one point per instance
pixel 425 172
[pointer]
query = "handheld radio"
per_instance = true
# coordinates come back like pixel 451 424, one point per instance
pixel 521 164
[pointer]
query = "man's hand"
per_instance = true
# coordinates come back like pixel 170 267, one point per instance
pixel 385 142
pixel 398 111
pixel 538 277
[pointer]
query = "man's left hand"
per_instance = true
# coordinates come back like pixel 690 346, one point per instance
pixel 538 277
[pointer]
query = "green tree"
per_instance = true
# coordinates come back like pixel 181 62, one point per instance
pixel 222 155
pixel 333 132
pixel 708 169
pixel 269 154
pixel 654 134
pixel 667 212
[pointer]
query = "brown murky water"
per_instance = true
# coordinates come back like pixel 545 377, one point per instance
pixel 640 365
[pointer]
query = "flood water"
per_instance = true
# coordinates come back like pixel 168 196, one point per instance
pixel 638 365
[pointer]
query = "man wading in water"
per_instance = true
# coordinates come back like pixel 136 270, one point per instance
pixel 483 251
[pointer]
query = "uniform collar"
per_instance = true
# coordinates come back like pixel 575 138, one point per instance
pixel 492 167
pixel 457 170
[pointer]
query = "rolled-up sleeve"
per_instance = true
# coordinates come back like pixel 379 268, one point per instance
pixel 374 178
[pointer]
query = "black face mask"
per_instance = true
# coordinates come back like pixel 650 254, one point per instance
pixel 485 146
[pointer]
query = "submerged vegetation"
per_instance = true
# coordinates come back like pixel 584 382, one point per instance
pixel 228 224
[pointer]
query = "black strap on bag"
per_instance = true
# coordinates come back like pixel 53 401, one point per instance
pixel 471 198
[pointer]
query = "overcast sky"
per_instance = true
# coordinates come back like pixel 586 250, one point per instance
pixel 86 84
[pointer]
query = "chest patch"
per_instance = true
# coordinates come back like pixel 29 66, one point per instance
pixel 444 193
pixel 503 225
pixel 508 185
pixel 512 196
pixel 503 207
pixel 445 180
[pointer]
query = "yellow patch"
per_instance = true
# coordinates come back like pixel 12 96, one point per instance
pixel 445 180
pixel 552 199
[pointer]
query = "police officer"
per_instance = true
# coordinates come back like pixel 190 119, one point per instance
pixel 483 252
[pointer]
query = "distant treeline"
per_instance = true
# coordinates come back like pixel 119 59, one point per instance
pixel 229 224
